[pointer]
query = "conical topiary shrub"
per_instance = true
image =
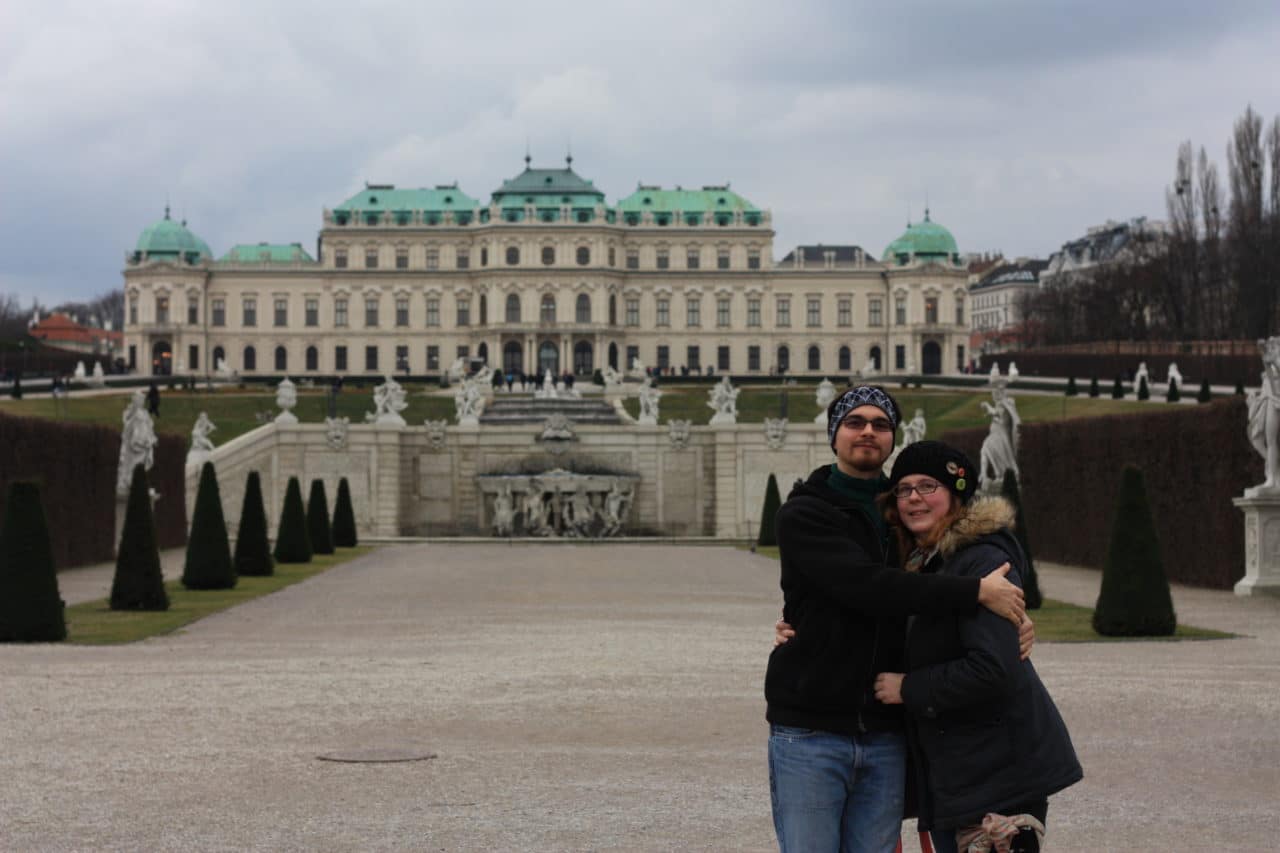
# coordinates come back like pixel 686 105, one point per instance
pixel 139 582
pixel 1134 600
pixel 1093 387
pixel 293 545
pixel 772 501
pixel 1239 392
pixel 1031 583
pixel 1072 390
pixel 1144 392
pixel 31 610
pixel 208 564
pixel 318 520
pixel 1117 389
pixel 344 518
pixel 1172 394
pixel 253 550
pixel 1205 394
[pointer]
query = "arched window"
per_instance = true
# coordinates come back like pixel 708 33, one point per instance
pixel 582 311
pixel 548 312
pixel 513 308
pixel 512 357
pixel 282 359
pixel 875 357
pixel 548 358
pixel 784 359
pixel 582 358
pixel 613 312
pixel 815 358
pixel 548 255
pixel 584 256
pixel 313 358
pixel 482 352
pixel 250 358
pixel 846 359
pixel 513 256
pixel 613 356
pixel 484 309
pixel 219 356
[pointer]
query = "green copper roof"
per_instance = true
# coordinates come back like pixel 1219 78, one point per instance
pixel 689 203
pixel 274 253
pixel 382 197
pixel 925 239
pixel 171 239
pixel 548 186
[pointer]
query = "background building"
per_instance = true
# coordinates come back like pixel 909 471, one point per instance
pixel 996 301
pixel 546 276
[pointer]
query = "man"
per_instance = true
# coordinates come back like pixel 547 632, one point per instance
pixel 837 758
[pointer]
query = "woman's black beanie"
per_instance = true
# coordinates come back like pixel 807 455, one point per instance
pixel 942 462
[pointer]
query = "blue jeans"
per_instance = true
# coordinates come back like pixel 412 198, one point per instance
pixel 837 793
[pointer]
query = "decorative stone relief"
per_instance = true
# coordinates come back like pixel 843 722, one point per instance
pixel 679 430
pixel 436 433
pixel 335 432
pixel 775 432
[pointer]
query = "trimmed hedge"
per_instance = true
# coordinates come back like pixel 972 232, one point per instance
pixel 344 518
pixel 138 583
pixel 253 550
pixel 1031 583
pixel 1196 460
pixel 293 544
pixel 1144 391
pixel 1072 390
pixel 318 529
pixel 31 609
pixel 772 501
pixel 208 564
pixel 1134 599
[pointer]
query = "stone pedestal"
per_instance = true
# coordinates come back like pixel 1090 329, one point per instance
pixel 1261 544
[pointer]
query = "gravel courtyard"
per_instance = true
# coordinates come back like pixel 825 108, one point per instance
pixel 594 697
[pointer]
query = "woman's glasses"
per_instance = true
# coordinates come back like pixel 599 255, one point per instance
pixel 902 491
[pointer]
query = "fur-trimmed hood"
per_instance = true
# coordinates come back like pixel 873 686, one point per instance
pixel 981 517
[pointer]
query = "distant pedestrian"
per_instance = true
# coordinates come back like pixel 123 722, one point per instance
pixel 153 400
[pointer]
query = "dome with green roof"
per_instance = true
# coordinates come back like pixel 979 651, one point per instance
pixel 926 240
pixel 171 240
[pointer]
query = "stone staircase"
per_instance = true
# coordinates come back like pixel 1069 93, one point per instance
pixel 532 410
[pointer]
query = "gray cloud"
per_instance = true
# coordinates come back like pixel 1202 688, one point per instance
pixel 1023 122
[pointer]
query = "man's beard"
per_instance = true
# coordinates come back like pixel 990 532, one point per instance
pixel 867 458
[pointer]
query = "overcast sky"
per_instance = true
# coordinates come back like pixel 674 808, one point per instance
pixel 1022 122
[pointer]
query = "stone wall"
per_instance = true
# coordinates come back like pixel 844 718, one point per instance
pixel 405 481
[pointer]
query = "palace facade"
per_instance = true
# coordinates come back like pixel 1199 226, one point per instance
pixel 546 275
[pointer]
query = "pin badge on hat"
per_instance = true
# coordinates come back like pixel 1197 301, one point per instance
pixel 951 468
pixel 960 485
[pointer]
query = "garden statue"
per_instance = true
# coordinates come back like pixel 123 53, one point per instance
pixel 913 430
pixel 612 378
pixel 504 513
pixel 826 393
pixel 286 399
pixel 137 441
pixel 649 396
pixel 1000 448
pixel 201 444
pixel 99 380
pixel 468 401
pixel 79 373
pixel 1013 370
pixel 1175 376
pixel 1141 374
pixel 388 403
pixel 1264 418
pixel 724 402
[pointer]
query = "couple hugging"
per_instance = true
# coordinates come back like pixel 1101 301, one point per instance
pixel 899 684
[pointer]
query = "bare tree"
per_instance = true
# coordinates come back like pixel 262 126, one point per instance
pixel 1255 307
pixel 13 318
pixel 1219 297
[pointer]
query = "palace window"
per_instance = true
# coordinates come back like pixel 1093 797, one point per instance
pixel 340 312
pixel 633 355
pixel 722 359
pixel 613 256
pixel 582 311
pixel 753 357
pixel 219 307
pixel 548 255
pixel 340 258
pixel 250 312
pixel 162 309
pixel 547 309
pixel 433 357
pixel 693 312
pixel 402 259
pixel 753 260
pixel 402 358
pixel 900 357
pixel 664 312
pixel 464 312
pixel 583 256
pixel 371 312
pixel 513 256
pixel 875 314
pixel 844 312
pixel 815 358
pixel 931 309
pixel 513 308
pixel 693 260
pixel 633 311
pixel 371 259
pixel 813 313
pixel 371 358
pixel 402 310
pixel 633 259
pixel 193 357
pixel 250 358
pixel 282 359
pixel 693 358
pixel 340 357
pixel 463 258
pixel 784 311
pixel 900 311
pixel 664 357
pixel 311 312
pixel 433 259
pixel 722 312
pixel 846 359
pixel 959 311
pixel 193 312
pixel 753 313
pixel 312 359
pixel 281 311
pixel 433 311
pixel 722 259
pixel 664 259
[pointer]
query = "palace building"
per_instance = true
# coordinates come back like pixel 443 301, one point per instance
pixel 545 275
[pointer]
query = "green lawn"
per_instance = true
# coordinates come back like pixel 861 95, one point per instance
pixel 93 623
pixel 1059 622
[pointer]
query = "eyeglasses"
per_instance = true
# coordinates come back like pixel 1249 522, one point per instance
pixel 902 491
pixel 858 423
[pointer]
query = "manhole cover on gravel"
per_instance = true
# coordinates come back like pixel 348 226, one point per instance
pixel 381 755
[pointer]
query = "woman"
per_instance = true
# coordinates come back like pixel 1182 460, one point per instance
pixel 988 745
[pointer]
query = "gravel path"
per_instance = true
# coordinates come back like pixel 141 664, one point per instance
pixel 577 698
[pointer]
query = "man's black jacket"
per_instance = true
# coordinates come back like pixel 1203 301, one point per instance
pixel 848 604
